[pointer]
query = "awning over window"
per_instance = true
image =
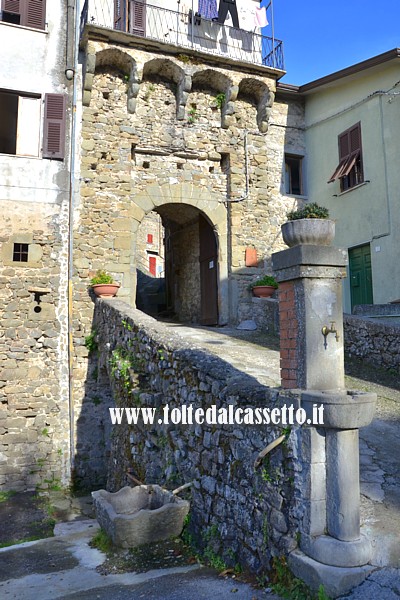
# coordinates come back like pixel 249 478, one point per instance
pixel 345 166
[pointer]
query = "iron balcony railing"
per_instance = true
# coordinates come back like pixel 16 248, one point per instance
pixel 184 29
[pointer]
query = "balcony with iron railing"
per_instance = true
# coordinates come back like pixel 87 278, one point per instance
pixel 182 29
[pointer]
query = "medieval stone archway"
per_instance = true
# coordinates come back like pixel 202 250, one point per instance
pixel 187 213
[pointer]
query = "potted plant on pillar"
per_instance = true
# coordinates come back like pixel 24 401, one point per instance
pixel 103 285
pixel 308 225
pixel 264 287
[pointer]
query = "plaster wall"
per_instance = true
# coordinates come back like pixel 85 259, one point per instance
pixel 368 213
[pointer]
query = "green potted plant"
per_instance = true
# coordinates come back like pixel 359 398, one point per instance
pixel 103 284
pixel 308 225
pixel 264 287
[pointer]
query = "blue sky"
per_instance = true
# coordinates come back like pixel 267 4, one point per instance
pixel 321 37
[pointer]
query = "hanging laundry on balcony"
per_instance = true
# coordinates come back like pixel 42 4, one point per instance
pixel 261 16
pixel 208 9
pixel 225 7
pixel 252 18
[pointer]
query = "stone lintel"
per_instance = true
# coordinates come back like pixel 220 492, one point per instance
pixel 305 254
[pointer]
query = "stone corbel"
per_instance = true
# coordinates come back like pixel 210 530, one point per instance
pixel 228 110
pixel 133 89
pixel 182 95
pixel 264 110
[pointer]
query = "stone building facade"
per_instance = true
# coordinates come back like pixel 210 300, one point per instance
pixel 35 104
pixel 171 138
pixel 198 140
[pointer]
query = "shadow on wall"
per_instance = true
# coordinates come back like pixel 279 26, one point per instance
pixel 93 427
pixel 151 294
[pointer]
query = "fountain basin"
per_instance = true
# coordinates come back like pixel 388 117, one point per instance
pixel 343 409
pixel 142 515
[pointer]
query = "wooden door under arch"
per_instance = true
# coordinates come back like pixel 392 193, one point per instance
pixel 208 257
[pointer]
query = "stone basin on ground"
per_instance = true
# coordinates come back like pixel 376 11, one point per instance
pixel 142 515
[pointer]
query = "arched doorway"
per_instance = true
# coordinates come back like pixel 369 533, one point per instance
pixel 177 265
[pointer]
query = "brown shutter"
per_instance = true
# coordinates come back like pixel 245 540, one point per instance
pixel 34 13
pixel 118 15
pixel 11 6
pixel 355 138
pixel 54 126
pixel 344 145
pixel 138 17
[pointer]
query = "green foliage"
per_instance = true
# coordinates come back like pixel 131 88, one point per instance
pixel 266 280
pixel 285 584
pixel 101 277
pixel 322 595
pixel 220 100
pixel 45 432
pixel 54 484
pixel 4 496
pixel 192 114
pixel 215 561
pixel 102 542
pixel 122 363
pixel 90 341
pixel 309 211
pixel 126 325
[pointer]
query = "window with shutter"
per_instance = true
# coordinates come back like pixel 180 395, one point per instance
pixel 137 17
pixel 30 13
pixel 350 168
pixel 54 126
pixel 20 124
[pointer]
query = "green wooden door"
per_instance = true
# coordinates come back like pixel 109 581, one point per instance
pixel 360 275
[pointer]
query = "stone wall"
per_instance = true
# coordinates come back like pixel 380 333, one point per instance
pixel 239 513
pixel 374 342
pixel 34 209
pixel 34 416
pixel 183 138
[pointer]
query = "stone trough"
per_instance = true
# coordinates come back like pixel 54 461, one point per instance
pixel 142 515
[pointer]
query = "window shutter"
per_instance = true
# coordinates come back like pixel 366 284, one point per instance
pixel 344 145
pixel 119 15
pixel 11 6
pixel 138 17
pixel 355 138
pixel 54 126
pixel 28 132
pixel 34 14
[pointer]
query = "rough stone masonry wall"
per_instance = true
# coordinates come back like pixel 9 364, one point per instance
pixel 375 343
pixel 34 419
pixel 238 513
pixel 151 122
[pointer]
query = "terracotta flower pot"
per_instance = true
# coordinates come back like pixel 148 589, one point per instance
pixel 263 291
pixel 316 232
pixel 106 290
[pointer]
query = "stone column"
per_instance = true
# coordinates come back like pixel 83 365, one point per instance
pixel 332 550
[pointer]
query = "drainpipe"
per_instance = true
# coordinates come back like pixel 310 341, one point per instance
pixel 72 54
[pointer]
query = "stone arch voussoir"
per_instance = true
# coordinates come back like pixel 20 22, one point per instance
pixel 155 196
